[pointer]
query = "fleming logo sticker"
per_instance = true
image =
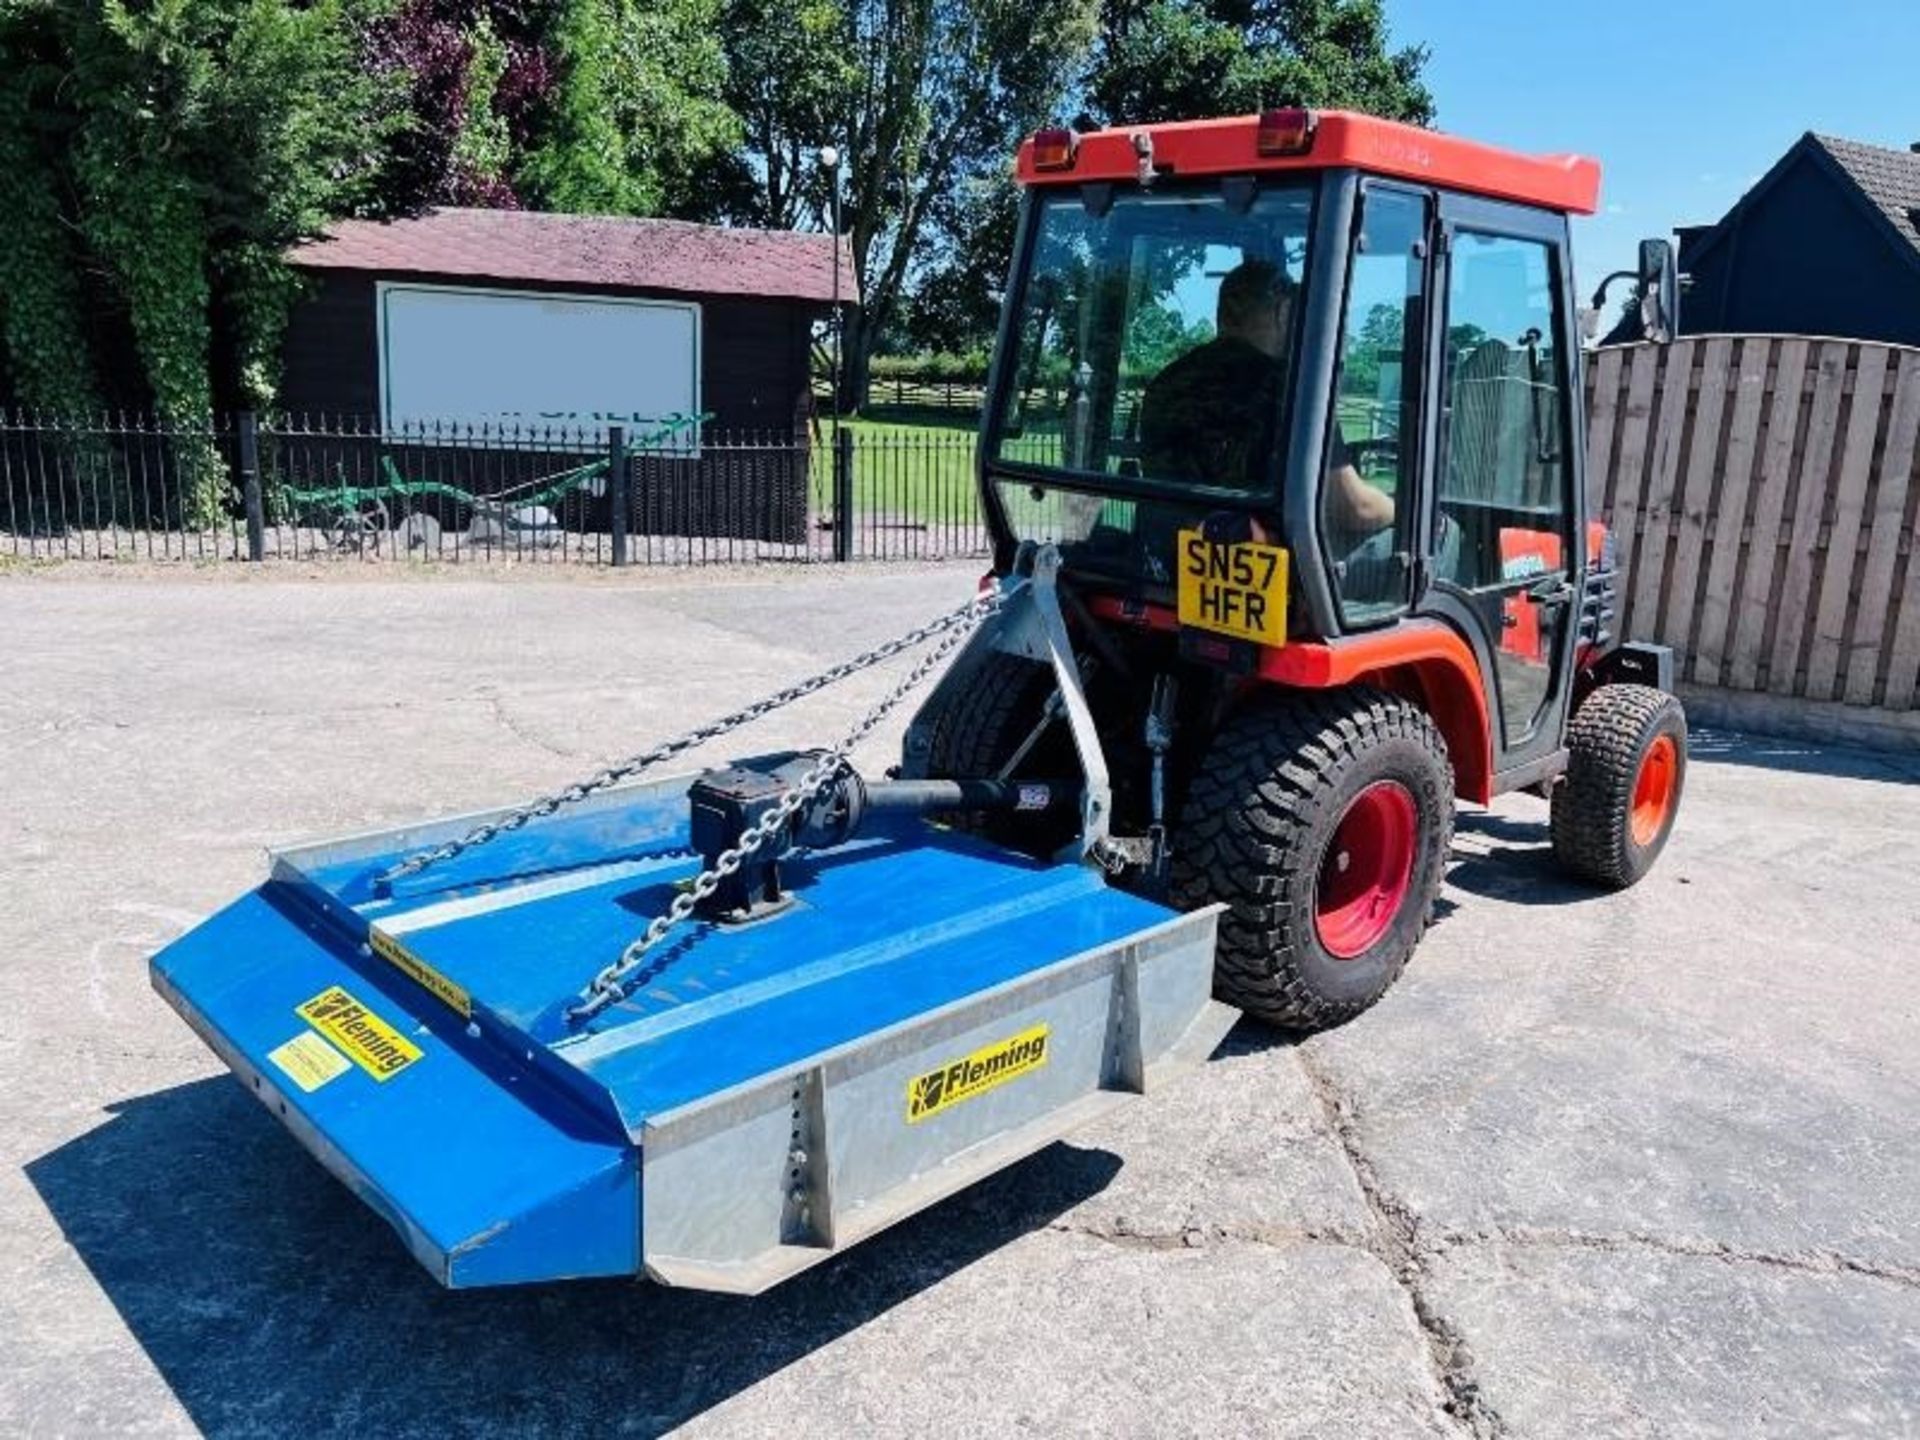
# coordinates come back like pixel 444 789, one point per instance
pixel 372 1044
pixel 975 1074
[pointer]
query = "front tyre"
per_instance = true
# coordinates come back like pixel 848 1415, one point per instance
pixel 1323 822
pixel 1626 766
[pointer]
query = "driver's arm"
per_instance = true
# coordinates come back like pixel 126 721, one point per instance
pixel 1356 505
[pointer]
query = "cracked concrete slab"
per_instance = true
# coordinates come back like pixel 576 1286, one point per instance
pixel 1723 1053
pixel 1227 1340
pixel 1626 1341
pixel 1640 1163
pixel 1239 1151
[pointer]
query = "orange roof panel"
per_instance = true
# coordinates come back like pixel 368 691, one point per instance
pixel 1341 140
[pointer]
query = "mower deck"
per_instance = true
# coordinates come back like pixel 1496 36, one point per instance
pixel 928 1009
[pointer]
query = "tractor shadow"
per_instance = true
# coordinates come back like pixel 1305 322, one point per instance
pixel 1508 859
pixel 273 1302
pixel 1710 745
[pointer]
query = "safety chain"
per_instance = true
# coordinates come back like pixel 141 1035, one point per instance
pixel 609 986
pixel 968 615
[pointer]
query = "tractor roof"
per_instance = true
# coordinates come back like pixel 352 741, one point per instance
pixel 1333 139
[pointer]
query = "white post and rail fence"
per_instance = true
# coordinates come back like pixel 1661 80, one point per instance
pixel 1763 490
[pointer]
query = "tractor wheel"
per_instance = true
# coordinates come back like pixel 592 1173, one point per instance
pixel 1613 810
pixel 1323 821
pixel 980 727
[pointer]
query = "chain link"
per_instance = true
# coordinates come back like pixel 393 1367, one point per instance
pixel 967 616
pixel 609 986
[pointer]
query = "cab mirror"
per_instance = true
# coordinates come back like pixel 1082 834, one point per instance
pixel 1659 291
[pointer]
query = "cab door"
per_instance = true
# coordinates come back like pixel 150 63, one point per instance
pixel 1503 552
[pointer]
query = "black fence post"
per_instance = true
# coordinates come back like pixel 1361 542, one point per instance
pixel 248 437
pixel 617 489
pixel 842 494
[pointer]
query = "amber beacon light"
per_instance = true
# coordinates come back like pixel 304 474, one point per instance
pixel 1284 132
pixel 1053 149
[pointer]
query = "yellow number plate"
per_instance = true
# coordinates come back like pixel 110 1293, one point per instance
pixel 1237 590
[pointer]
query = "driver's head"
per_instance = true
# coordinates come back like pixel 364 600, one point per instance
pixel 1256 299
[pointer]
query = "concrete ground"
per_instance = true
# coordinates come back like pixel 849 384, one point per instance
pixel 1644 1164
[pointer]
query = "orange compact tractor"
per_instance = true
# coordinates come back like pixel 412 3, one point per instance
pixel 1282 463
pixel 1295 399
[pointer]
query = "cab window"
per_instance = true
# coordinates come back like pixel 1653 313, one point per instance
pixel 1366 492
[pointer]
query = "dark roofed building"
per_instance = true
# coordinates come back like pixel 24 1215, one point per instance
pixel 1827 242
pixel 478 314
pixel 488 350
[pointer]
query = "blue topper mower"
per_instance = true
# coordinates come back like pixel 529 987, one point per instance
pixel 1281 568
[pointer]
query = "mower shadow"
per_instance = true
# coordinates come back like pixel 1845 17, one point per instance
pixel 274 1303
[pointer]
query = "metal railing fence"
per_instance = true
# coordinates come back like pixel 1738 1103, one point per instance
pixel 316 488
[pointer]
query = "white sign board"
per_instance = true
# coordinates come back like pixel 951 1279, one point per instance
pixel 513 357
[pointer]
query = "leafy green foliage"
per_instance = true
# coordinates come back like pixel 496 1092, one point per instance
pixel 790 74
pixel 183 144
pixel 1177 59
pixel 40 303
pixel 926 99
pixel 638 109
pixel 1171 60
pixel 1381 334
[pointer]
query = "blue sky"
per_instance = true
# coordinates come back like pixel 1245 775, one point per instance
pixel 1684 103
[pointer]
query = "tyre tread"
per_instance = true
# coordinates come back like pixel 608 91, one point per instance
pixel 1592 805
pixel 1267 772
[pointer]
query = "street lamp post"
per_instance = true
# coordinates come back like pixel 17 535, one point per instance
pixel 830 162
pixel 842 457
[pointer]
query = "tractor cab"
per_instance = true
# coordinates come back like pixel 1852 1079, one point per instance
pixel 1298 379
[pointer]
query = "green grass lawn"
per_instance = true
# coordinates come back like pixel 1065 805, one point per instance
pixel 917 469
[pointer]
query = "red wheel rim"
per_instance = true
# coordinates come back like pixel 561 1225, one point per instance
pixel 1367 870
pixel 1653 790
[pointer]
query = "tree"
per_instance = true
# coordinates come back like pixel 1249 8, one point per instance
pixel 1177 59
pixel 1173 60
pixel 924 97
pixel 948 89
pixel 638 110
pixel 790 77
pixel 954 304
pixel 459 81
pixel 180 146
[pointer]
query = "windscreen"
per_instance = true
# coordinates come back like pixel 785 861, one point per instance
pixel 1154 340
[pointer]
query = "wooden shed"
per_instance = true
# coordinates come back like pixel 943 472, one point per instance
pixel 491 314
pixel 484 323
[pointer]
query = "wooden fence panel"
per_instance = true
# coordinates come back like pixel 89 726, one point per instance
pixel 1755 596
pixel 1727 534
pixel 1893 520
pixel 1693 495
pixel 1763 490
pixel 1812 481
pixel 1647 556
pixel 1839 578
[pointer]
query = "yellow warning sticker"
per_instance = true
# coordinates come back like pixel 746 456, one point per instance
pixel 975 1074
pixel 309 1061
pixel 372 1044
pixel 417 970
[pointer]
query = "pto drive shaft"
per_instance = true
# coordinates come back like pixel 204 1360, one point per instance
pixel 727 803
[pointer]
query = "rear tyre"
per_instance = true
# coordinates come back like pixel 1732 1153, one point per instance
pixel 1323 821
pixel 1626 767
pixel 982 724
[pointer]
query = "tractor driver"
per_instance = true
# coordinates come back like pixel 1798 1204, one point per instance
pixel 1209 415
